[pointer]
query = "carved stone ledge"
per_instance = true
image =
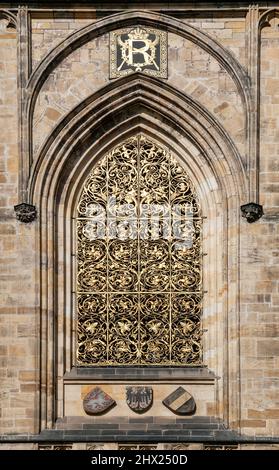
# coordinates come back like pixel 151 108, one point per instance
pixel 252 212
pixel 25 213
pixel 142 374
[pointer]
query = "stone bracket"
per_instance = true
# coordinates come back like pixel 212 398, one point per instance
pixel 252 212
pixel 25 213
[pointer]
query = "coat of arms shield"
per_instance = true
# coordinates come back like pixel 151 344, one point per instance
pixel 97 401
pixel 180 402
pixel 139 399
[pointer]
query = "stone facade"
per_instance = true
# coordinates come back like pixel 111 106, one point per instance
pixel 217 112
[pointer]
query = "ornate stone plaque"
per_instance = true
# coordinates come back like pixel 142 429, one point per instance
pixel 97 401
pixel 180 402
pixel 138 49
pixel 139 399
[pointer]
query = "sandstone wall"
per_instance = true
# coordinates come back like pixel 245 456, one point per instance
pixel 17 246
pixel 196 72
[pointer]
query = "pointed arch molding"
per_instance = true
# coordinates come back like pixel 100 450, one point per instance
pixel 124 19
pixel 124 99
pixel 123 108
pixel 8 15
pixel 266 17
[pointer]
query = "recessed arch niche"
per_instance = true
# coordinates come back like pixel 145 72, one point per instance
pixel 208 156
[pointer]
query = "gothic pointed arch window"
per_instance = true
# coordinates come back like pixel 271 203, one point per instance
pixel 138 263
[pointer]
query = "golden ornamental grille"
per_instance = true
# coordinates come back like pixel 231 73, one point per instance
pixel 138 261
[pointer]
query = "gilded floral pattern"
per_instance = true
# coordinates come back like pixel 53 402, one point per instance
pixel 138 261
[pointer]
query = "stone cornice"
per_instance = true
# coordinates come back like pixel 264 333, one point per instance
pixel 113 4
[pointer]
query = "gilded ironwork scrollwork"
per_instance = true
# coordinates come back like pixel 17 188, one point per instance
pixel 139 285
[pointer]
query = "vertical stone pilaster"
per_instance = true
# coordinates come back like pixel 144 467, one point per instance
pixel 23 73
pixel 253 116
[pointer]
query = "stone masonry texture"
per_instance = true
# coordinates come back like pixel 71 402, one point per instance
pixel 54 85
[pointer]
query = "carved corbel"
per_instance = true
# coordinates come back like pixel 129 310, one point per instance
pixel 25 213
pixel 252 212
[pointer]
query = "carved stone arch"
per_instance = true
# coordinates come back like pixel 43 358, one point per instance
pixel 98 111
pixel 124 19
pixel 176 122
pixel 266 17
pixel 10 17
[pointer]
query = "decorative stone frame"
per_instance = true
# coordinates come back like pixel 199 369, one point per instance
pixel 52 182
pixel 198 141
pixel 163 54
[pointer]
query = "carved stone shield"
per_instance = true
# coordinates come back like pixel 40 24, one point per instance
pixel 97 401
pixel 139 399
pixel 180 402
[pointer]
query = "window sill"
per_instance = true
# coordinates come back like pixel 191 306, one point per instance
pixel 195 374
